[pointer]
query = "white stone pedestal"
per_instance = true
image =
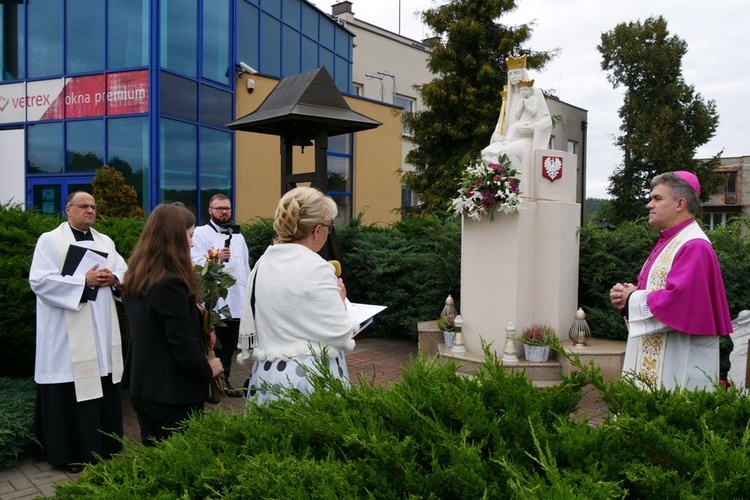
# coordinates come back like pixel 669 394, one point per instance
pixel 523 267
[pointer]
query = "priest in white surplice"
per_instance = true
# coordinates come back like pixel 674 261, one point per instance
pixel 78 364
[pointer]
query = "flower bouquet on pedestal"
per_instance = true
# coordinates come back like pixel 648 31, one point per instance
pixel 487 188
pixel 213 284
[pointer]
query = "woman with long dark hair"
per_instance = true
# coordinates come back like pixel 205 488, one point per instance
pixel 168 371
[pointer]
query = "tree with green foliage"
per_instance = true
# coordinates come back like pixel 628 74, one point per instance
pixel 114 197
pixel 664 120
pixel 463 101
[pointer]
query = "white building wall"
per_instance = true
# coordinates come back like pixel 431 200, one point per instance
pixel 378 50
pixel 12 168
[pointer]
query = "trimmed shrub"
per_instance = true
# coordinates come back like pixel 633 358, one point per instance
pixel 410 266
pixel 438 434
pixel 17 397
pixel 19 230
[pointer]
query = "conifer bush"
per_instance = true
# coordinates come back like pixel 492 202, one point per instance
pixel 410 266
pixel 438 434
pixel 16 419
pixel 113 195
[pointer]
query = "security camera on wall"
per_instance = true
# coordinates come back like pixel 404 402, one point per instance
pixel 246 68
pixel 250 85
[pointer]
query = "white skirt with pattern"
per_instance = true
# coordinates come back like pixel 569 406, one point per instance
pixel 269 378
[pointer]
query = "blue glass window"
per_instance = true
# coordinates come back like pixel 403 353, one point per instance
pixel 310 18
pixel 179 97
pixel 340 174
pixel 216 106
pixel 179 36
pixel 309 55
pixel 344 203
pixel 342 42
pixel 178 160
pixel 247 34
pixel 216 63
pixel 12 41
pixel 45 38
pixel 45 153
pixel 84 47
pixel 216 165
pixel 290 57
pixel 326 34
pixel 84 145
pixel 128 151
pixel 270 33
pixel 341 74
pixel 340 144
pixel 327 60
pixel 273 7
pixel 339 178
pixel 292 13
pixel 127 33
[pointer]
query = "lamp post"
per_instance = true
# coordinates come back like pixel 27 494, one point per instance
pixel 509 351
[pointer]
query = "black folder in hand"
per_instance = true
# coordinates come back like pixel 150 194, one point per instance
pixel 73 259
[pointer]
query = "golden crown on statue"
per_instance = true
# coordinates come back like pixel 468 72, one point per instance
pixel 525 83
pixel 516 62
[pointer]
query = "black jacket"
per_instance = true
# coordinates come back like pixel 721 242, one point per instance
pixel 166 361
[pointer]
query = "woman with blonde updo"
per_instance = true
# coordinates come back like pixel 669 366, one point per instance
pixel 295 305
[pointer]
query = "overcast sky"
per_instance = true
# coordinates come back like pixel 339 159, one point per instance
pixel 717 63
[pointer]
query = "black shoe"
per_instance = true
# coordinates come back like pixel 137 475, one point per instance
pixel 232 392
pixel 212 400
pixel 71 468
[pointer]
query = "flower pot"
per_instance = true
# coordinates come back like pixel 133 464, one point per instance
pixel 536 353
pixel 449 336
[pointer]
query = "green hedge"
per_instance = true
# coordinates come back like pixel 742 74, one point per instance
pixel 410 266
pixel 17 397
pixel 438 434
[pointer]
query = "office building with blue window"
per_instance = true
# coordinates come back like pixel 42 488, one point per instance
pixel 147 87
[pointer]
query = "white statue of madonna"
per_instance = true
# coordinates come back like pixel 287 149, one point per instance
pixel 524 124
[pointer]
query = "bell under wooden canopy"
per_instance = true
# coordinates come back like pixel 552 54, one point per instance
pixel 309 101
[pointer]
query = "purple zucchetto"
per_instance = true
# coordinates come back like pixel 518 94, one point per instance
pixel 690 178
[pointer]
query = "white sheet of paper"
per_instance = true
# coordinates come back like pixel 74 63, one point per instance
pixel 362 314
pixel 89 260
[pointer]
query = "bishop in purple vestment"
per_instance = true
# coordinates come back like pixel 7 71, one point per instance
pixel 678 309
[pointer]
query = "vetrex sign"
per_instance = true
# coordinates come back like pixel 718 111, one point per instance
pixel 77 97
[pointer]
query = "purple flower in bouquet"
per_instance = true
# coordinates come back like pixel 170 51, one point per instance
pixel 486 188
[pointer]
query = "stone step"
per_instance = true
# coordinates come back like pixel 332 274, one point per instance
pixel 542 374
pixel 608 355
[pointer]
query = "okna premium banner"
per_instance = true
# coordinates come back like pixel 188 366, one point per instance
pixel 76 97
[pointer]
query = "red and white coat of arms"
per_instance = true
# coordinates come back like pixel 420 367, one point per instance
pixel 552 167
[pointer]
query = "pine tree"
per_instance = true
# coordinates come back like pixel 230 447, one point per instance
pixel 463 101
pixel 664 120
